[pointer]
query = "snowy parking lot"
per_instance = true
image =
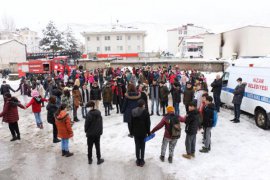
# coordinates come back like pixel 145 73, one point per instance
pixel 238 151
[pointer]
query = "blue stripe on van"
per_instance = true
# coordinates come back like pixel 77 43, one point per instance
pixel 250 95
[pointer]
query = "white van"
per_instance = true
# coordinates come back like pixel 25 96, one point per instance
pixel 256 73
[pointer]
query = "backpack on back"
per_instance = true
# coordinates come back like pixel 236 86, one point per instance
pixel 215 118
pixel 175 127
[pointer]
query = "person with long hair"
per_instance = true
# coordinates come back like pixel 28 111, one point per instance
pixel 63 124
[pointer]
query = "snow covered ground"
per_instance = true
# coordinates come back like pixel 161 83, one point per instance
pixel 239 151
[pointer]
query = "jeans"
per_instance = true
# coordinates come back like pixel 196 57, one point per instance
pixel 84 111
pixel 207 137
pixel 14 129
pixel 153 102
pixel 38 118
pixel 190 143
pixel 237 111
pixel 139 147
pixel 176 108
pixel 64 144
pixel 172 144
pixel 107 107
pixel 91 140
pixel 217 101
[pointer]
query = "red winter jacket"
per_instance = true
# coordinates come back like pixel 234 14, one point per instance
pixel 165 122
pixel 36 107
pixel 10 111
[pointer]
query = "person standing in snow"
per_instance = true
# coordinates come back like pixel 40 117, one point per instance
pixel 85 98
pixel 63 124
pixel 95 94
pixel 130 102
pixel 192 125
pixel 188 95
pixel 163 95
pixel 117 96
pixel 168 122
pixel 77 99
pixel 176 96
pixel 93 128
pixel 25 90
pixel 208 115
pixel 216 89
pixel 36 107
pixel 238 95
pixel 154 96
pixel 51 109
pixel 107 98
pixel 11 116
pixel 5 88
pixel 140 128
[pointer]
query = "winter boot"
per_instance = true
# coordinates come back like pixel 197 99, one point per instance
pixel 56 140
pixel 236 121
pixel 204 150
pixel 63 153
pixel 68 154
pixel 142 163
pixel 170 159
pixel 14 138
pixel 41 126
pixel 162 158
pixel 90 161
pixel 76 119
pixel 158 114
pixel 109 112
pixel 152 113
pixel 193 155
pixel 18 137
pixel 106 114
pixel 233 119
pixel 100 161
pixel 187 156
pixel 138 161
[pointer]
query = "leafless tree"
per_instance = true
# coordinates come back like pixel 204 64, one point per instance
pixel 8 23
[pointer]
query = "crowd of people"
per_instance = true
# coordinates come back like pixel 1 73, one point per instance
pixel 129 91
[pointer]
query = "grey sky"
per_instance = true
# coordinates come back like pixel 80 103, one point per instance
pixel 216 15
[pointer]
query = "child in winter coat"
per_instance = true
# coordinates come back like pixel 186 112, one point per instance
pixel 63 124
pixel 11 116
pixel 93 128
pixel 36 107
pixel 168 139
pixel 192 125
pixel 107 98
pixel 208 115
pixel 188 95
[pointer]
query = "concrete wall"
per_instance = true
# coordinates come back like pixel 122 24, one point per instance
pixel 173 41
pixel 213 66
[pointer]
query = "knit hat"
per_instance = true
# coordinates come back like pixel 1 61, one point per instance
pixel 170 109
pixel 34 93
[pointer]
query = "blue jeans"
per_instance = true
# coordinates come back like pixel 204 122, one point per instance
pixel 38 118
pixel 176 108
pixel 217 101
pixel 64 144
pixel 153 102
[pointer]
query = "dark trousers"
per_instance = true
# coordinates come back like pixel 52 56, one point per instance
pixel 54 131
pixel 129 127
pixel 217 101
pixel 14 129
pixel 186 106
pixel 237 111
pixel 118 108
pixel 164 105
pixel 139 147
pixel 91 140
pixel 190 143
pixel 107 107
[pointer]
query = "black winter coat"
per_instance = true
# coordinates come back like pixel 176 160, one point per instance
pixel 25 89
pixel 6 89
pixel 192 122
pixel 140 122
pixel 130 102
pixel 144 97
pixel 208 115
pixel 176 94
pixel 239 92
pixel 95 93
pixel 217 86
pixel 188 96
pixel 93 123
pixel 164 92
pixel 51 109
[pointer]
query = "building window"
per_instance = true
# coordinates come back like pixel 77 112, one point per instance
pixel 129 37
pixel 98 49
pixel 138 37
pixel 97 38
pixel 88 38
pixel 138 48
pixel 129 48
pixel 107 48
pixel 120 48
pixel 107 38
pixel 118 38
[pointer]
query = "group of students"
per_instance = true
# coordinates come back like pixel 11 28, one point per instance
pixel 131 100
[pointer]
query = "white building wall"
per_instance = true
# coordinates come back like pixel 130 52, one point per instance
pixel 173 41
pixel 12 52
pixel 211 46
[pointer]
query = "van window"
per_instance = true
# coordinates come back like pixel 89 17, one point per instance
pixel 225 78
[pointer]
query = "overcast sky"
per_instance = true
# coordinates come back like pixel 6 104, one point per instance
pixel 216 15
